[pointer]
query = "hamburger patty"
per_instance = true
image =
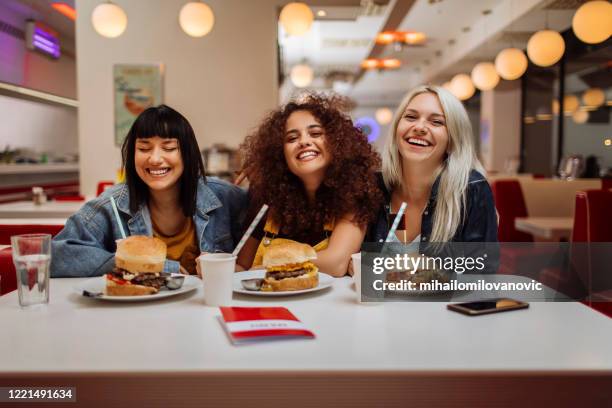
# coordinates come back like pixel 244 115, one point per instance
pixel 144 279
pixel 285 274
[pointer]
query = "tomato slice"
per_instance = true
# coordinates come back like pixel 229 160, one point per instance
pixel 117 280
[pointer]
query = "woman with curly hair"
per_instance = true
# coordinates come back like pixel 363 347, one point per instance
pixel 316 171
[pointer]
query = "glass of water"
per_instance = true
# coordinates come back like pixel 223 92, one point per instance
pixel 32 258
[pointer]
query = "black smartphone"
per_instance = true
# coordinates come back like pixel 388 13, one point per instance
pixel 487 306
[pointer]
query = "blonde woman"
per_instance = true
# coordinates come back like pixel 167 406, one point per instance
pixel 429 162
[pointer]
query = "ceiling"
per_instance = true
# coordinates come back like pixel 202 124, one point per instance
pixel 458 33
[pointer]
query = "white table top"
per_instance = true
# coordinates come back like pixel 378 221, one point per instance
pixel 50 209
pixel 546 227
pixel 33 221
pixel 76 334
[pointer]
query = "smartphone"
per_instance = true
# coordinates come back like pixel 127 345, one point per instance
pixel 487 306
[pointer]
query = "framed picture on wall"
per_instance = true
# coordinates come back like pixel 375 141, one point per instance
pixel 136 88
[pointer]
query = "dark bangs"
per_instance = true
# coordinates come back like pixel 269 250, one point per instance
pixel 165 122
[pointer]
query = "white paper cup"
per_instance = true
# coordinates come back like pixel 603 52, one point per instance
pixel 218 273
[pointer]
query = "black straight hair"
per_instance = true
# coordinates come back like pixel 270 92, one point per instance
pixel 165 122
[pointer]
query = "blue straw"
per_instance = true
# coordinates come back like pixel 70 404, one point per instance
pixel 396 221
pixel 114 204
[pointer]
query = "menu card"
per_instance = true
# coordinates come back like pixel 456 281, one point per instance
pixel 246 324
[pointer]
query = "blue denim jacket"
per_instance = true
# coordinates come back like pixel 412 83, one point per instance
pixel 86 246
pixel 479 224
pixel 475 236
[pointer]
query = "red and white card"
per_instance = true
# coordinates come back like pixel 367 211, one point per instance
pixel 245 324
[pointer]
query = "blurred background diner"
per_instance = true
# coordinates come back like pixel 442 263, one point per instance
pixel 534 76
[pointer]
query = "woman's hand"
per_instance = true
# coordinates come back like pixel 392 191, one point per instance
pixel 350 270
pixel 198 269
pixel 183 270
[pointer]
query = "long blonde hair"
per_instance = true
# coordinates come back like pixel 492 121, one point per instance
pixel 454 171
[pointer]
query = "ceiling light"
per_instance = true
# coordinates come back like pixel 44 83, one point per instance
pixel 462 86
pixel 301 75
pixel 511 63
pixel 386 37
pixel 545 48
pixel 543 114
pixel 296 18
pixel 401 37
pixel 321 13
pixel 196 19
pixel 109 20
pixel 390 63
pixel 485 76
pixel 580 116
pixel 592 22
pixel 608 142
pixel 594 97
pixel 65 9
pixel 528 120
pixel 570 103
pixel 381 63
pixel 414 38
pixel 384 116
pixel 555 107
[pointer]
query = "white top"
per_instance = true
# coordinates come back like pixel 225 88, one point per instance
pixel 74 334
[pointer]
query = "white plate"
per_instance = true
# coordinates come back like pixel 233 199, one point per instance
pixel 96 285
pixel 325 281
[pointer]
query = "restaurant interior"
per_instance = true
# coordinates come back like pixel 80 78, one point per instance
pixel 535 77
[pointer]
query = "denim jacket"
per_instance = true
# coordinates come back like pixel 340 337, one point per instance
pixel 86 246
pixel 477 230
pixel 479 224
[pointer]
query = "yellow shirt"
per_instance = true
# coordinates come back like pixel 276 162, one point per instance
pixel 182 246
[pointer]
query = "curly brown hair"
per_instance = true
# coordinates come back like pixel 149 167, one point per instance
pixel 349 186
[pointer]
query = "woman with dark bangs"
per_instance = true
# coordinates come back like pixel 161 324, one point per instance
pixel 166 195
pixel 316 171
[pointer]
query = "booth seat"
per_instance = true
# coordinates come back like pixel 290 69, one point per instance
pixel 529 197
pixel 589 272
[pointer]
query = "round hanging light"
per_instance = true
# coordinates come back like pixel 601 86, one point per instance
pixel 485 76
pixel 511 63
pixel 570 103
pixel 594 97
pixel 545 48
pixel 592 22
pixel 301 75
pixel 462 86
pixel 555 107
pixel 109 20
pixel 196 19
pixel 296 18
pixel 580 116
pixel 384 116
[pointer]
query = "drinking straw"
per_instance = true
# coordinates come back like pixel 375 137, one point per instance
pixel 396 221
pixel 249 230
pixel 114 204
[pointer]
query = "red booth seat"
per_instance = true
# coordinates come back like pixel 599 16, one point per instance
pixel 592 223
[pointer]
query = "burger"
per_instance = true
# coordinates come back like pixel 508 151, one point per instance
pixel 289 267
pixel 139 263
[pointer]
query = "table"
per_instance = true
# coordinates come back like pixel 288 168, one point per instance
pixel 33 221
pixel 551 228
pixel 174 352
pixel 50 209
